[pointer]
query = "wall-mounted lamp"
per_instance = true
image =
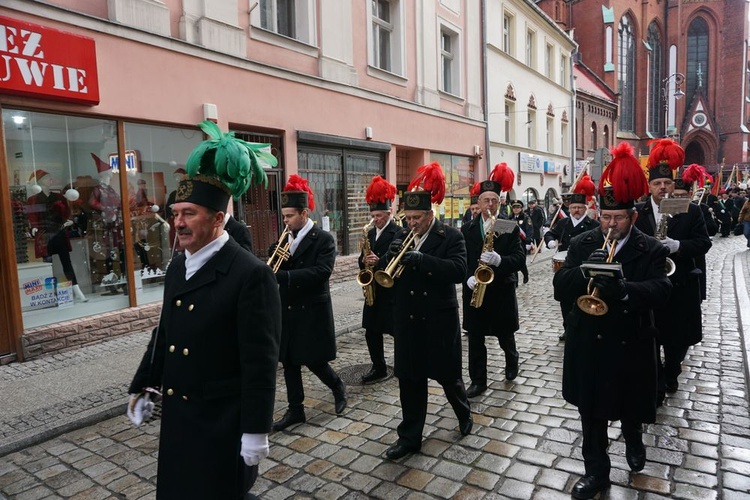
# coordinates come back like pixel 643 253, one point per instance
pixel 368 133
pixel 210 112
pixel 478 151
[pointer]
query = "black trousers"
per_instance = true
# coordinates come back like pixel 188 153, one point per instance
pixel 375 347
pixel 595 442
pixel 58 245
pixel 669 369
pixel 565 307
pixel 295 393
pixel 478 355
pixel 413 394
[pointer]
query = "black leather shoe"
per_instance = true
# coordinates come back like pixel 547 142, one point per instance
pixel 399 451
pixel 339 397
pixel 291 417
pixel 525 279
pixel 561 337
pixel 671 386
pixel 636 457
pixel 511 367
pixel 589 486
pixel 466 426
pixel 374 375
pixel 475 390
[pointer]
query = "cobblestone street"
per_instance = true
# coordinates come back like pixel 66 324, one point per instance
pixel 525 442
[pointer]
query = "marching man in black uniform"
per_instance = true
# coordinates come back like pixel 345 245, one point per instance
pixel 216 348
pixel 525 229
pixel 679 323
pixel 427 336
pixel 377 319
pixel 497 315
pixel 307 330
pixel 577 222
pixel 609 368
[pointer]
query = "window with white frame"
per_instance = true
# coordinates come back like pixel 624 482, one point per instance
pixel 550 135
pixel 563 71
pixel 386 35
pixel 549 61
pixel 450 61
pixel 507 33
pixel 530 128
pixel 291 18
pixel 530 48
pixel 510 108
pixel 564 138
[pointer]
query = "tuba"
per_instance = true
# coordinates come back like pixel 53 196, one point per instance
pixel 591 303
pixel 484 273
pixel 661 233
pixel 366 275
pixel 281 252
pixel 387 277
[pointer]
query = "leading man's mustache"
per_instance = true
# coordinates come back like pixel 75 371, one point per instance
pixel 184 231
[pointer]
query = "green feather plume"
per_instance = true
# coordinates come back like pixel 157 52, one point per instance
pixel 236 163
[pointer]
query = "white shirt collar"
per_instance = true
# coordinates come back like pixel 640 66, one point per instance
pixel 301 234
pixel 423 237
pixel 378 231
pixel 577 221
pixel 194 261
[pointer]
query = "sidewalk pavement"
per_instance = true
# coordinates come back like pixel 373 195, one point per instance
pixel 525 443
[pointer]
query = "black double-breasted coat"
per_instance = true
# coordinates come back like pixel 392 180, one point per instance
pixel 563 231
pixel 609 368
pixel 215 358
pixel 308 332
pixel 427 334
pixel 680 321
pixel 499 312
pixel 379 316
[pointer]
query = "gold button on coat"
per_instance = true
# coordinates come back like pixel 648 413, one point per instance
pixel 171 348
pixel 170 392
pixel 185 352
pixel 178 303
pixel 190 307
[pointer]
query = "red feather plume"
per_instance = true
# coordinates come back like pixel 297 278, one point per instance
pixel 475 189
pixel 297 183
pixel 624 174
pixel 431 178
pixel 666 151
pixel 379 190
pixel 696 173
pixel 585 186
pixel 503 175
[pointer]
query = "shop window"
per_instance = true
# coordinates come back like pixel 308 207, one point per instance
pixel 68 218
pixel 155 159
pixel 459 177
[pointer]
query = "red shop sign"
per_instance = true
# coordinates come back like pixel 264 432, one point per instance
pixel 42 62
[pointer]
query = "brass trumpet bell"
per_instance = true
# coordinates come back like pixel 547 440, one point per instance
pixel 593 305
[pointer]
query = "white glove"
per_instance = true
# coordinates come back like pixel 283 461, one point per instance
pixel 673 245
pixel 140 408
pixel 34 231
pixel 254 448
pixel 471 282
pixel 68 223
pixel 552 244
pixel 491 258
pixel 528 247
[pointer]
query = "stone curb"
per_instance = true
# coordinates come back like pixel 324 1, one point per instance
pixel 743 310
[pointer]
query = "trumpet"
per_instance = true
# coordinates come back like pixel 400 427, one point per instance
pixel 484 273
pixel 366 275
pixel 281 253
pixel 591 303
pixel 387 277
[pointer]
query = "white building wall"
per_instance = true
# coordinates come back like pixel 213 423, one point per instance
pixel 504 69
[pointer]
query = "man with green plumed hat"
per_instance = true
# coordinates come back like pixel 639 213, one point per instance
pixel 213 356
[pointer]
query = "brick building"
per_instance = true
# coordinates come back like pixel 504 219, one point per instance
pixel 679 67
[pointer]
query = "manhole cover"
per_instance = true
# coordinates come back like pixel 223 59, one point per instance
pixel 352 375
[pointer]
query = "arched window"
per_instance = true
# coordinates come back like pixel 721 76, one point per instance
pixel 594 131
pixel 605 136
pixel 626 74
pixel 655 76
pixel 697 57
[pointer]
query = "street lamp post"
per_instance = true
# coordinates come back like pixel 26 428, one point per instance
pixel 679 79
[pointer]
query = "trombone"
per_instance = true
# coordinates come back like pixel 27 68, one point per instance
pixel 591 303
pixel 386 278
pixel 281 252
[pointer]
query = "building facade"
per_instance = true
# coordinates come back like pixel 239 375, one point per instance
pixel 99 103
pixel 530 98
pixel 680 68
